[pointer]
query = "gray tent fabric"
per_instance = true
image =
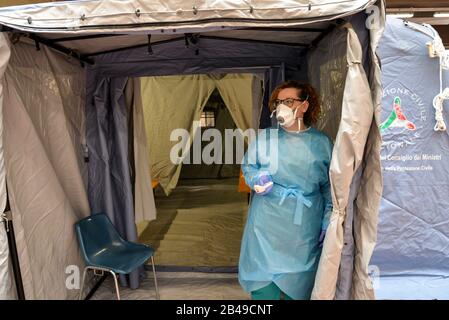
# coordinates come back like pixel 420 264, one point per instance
pixel 109 187
pixel 327 71
pixel 42 151
pixel 273 77
pixel 342 174
pixel 370 190
pixel 346 271
pixel 213 56
pixel 412 250
pixel 6 283
pixel 327 68
pixel 139 155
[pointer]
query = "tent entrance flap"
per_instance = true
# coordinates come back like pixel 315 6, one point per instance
pixel 215 116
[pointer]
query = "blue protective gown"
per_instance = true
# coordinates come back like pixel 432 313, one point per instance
pixel 280 240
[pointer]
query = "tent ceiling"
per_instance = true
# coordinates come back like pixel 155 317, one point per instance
pixel 88 46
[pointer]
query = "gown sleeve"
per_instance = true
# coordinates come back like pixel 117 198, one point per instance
pixel 325 188
pixel 251 167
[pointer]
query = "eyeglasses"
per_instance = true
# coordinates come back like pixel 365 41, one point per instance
pixel 288 102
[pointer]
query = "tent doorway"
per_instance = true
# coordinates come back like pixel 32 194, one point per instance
pixel 199 225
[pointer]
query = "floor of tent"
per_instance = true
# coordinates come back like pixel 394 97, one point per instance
pixel 199 226
pixel 179 286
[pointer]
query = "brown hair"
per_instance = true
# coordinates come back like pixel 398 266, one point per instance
pixel 305 91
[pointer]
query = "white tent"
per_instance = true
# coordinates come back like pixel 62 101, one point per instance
pixel 71 77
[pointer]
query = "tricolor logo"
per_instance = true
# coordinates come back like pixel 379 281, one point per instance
pixel 397 118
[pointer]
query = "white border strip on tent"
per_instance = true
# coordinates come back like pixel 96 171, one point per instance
pixel 138 16
pixel 5 276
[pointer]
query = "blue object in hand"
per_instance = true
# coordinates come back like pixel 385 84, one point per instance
pixel 263 180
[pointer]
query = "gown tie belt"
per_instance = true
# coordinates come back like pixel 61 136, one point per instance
pixel 301 201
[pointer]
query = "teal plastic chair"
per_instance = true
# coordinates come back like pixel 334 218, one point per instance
pixel 104 250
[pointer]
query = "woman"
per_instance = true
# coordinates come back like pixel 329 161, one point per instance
pixel 290 210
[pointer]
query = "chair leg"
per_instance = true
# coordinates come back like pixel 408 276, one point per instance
pixel 116 284
pixel 155 279
pixel 80 297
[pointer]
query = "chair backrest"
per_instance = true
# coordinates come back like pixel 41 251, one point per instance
pixel 95 233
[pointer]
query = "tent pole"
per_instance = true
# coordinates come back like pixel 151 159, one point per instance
pixel 155 44
pixel 51 44
pixel 61 49
pixel 255 41
pixel 14 257
pixel 87 37
pixel 96 36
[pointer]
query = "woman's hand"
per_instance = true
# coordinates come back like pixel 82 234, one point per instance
pixel 264 184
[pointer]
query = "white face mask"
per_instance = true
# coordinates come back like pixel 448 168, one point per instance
pixel 285 116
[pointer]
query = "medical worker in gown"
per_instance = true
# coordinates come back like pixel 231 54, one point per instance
pixel 288 169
